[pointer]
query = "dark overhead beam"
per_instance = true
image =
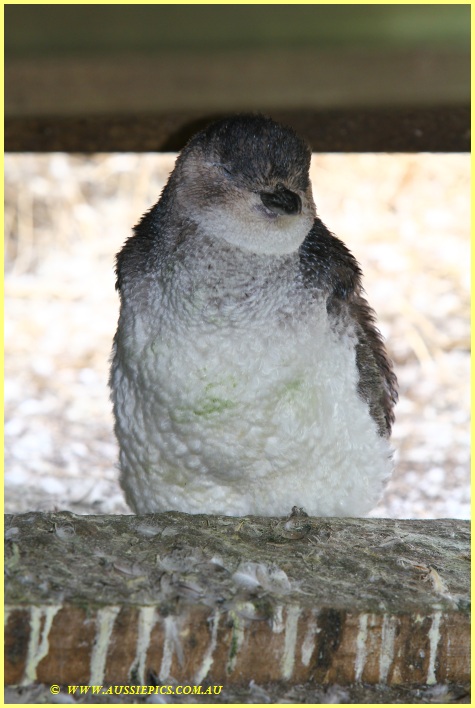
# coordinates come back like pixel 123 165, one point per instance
pixel 438 129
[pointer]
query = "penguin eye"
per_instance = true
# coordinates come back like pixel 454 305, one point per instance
pixel 222 167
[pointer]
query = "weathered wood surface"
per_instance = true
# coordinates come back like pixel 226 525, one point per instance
pixel 220 600
pixel 431 129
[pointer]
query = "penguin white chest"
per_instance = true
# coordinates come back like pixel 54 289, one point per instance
pixel 225 416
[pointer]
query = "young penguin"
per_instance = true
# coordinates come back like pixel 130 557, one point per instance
pixel 248 375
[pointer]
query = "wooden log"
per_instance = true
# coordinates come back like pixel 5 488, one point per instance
pixel 221 600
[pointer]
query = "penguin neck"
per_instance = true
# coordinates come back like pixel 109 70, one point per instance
pixel 219 278
pixel 217 262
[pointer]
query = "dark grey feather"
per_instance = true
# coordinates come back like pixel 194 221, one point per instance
pixel 327 266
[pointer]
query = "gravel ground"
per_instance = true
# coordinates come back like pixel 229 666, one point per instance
pixel 405 217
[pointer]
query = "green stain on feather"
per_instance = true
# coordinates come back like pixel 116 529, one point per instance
pixel 212 403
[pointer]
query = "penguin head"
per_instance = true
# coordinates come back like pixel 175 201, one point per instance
pixel 245 180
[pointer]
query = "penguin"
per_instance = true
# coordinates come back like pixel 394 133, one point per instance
pixel 248 375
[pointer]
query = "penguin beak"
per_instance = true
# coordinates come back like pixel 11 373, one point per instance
pixel 281 201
